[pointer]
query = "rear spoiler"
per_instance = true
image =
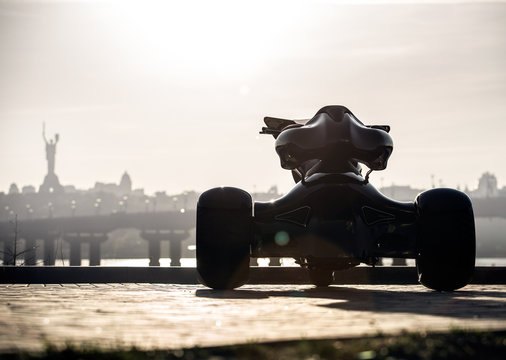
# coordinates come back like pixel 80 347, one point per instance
pixel 385 128
pixel 276 125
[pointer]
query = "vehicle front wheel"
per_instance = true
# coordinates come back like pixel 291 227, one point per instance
pixel 446 239
pixel 224 218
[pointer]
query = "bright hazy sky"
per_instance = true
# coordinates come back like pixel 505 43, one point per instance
pixel 174 92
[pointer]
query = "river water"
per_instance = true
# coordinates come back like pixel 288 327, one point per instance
pixel 191 262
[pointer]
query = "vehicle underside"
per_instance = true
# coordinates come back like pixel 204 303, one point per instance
pixel 358 225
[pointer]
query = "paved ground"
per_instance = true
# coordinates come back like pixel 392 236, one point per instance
pixel 171 316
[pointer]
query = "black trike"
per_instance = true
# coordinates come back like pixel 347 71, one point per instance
pixel 334 219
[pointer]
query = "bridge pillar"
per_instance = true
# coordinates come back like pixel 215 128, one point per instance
pixel 154 239
pixel 175 247
pixel 75 252
pixel 29 253
pixel 275 261
pixel 399 262
pixel 95 242
pixel 49 253
pixel 175 252
pixel 95 253
pixel 154 252
pixel 75 241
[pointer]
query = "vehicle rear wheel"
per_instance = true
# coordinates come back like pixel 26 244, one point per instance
pixel 321 277
pixel 446 239
pixel 224 218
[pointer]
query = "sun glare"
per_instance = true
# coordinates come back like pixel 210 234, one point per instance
pixel 224 37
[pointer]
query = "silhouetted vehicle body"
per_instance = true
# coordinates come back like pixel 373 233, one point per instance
pixel 333 218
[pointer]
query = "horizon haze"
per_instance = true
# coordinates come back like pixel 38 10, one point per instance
pixel 174 92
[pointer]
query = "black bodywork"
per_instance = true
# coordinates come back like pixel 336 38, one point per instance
pixel 335 221
pixel 334 218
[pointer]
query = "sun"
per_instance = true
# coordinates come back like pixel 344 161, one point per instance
pixel 223 37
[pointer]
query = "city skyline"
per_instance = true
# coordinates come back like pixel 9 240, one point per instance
pixel 176 97
pixel 487 186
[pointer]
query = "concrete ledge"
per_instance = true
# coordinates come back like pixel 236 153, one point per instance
pixel 387 275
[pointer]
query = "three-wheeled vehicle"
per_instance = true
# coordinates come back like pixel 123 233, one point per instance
pixel 334 219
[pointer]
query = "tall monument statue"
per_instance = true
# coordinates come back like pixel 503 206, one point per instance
pixel 51 183
pixel 50 149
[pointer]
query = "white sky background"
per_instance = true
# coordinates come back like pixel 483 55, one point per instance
pixel 174 92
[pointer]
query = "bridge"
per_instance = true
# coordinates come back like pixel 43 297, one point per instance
pixel 489 207
pixel 155 227
pixel 172 226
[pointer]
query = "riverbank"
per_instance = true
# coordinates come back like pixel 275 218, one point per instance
pixel 380 275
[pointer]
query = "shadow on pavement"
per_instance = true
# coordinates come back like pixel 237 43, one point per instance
pixel 459 304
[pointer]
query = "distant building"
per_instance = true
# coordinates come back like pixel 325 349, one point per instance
pixel 400 192
pixel 138 192
pixel 125 184
pixel 13 189
pixel 28 189
pixel 70 189
pixel 124 187
pixel 487 187
pixel 271 194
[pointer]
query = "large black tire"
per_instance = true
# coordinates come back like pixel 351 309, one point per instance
pixel 224 218
pixel 446 239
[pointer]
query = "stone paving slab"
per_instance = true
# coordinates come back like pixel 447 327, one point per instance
pixel 166 316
